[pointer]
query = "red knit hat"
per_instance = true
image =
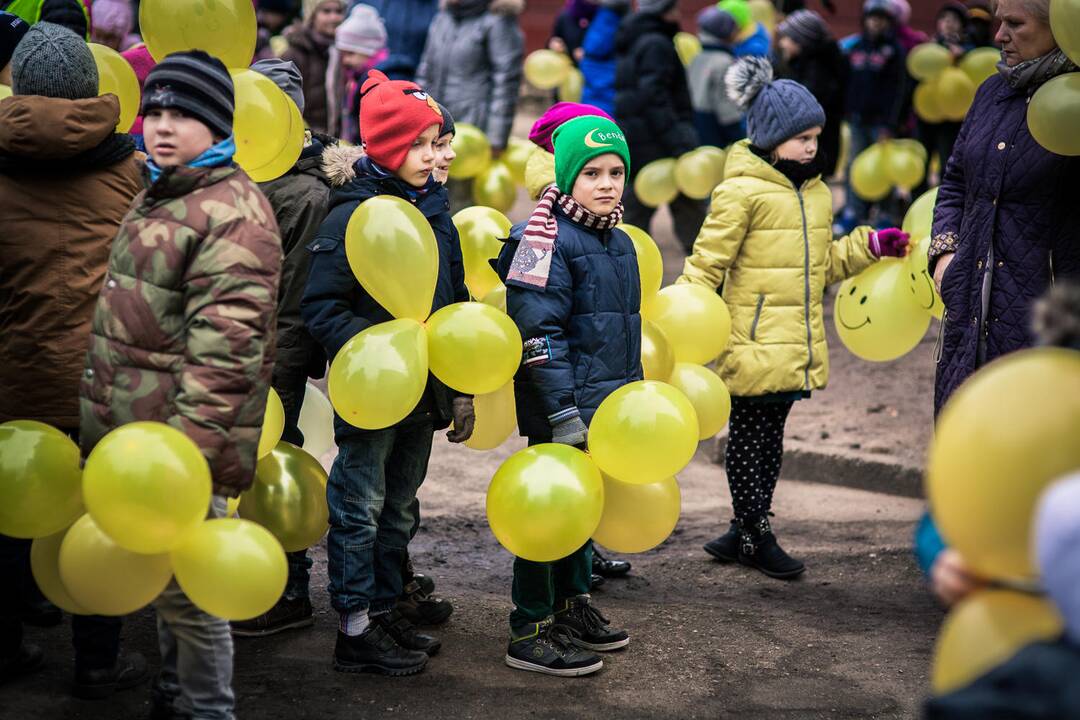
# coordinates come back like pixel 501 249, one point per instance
pixel 392 114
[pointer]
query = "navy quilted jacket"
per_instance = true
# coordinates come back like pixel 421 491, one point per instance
pixel 582 333
pixel 1010 207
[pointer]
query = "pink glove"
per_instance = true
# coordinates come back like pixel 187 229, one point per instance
pixel 890 242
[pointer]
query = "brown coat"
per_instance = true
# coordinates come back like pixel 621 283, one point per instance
pixel 311 53
pixel 66 181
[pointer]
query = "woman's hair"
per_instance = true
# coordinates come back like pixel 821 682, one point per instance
pixel 1039 9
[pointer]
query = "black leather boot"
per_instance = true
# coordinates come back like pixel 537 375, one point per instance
pixel 758 549
pixel 726 547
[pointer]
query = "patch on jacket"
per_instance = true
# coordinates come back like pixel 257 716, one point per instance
pixel 536 351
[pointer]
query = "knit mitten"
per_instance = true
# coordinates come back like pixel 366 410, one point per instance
pixel 890 242
pixel 570 432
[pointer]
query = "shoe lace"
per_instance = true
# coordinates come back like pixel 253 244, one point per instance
pixel 592 618
pixel 560 639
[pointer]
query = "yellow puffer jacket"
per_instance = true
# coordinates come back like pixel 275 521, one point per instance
pixel 771 248
pixel 539 172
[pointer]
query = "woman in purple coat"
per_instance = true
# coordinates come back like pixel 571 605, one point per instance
pixel 1007 220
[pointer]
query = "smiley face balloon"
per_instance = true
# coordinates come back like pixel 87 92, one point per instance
pixel 875 314
pixel 921 283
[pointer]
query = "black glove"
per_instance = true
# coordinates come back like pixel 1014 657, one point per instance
pixel 464 420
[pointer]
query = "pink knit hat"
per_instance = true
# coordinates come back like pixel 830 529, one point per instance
pixel 142 63
pixel 556 115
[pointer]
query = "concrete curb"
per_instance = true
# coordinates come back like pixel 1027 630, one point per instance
pixel 852 471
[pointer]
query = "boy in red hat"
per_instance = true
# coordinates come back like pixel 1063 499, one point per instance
pixel 373 483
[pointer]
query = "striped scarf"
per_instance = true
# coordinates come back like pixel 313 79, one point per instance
pixel 532 261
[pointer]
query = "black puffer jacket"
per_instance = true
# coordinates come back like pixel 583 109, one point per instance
pixel 652 97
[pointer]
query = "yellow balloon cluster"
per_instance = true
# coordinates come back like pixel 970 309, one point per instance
pixel 695 321
pixel 876 315
pixel 267 126
pixel 146 485
pixel 655 183
pixel 231 568
pixel 1054 114
pixel 494 187
pixel 547 69
pixel 45 565
pixel 699 171
pixel 116 76
pixel 946 91
pixel 480 230
pixel 637 518
pixel 883 165
pixel 644 432
pixel 657 357
pixel 40 480
pixel 496 418
pixel 224 28
pixel 472 150
pixel 473 348
pixel 1007 433
pixel 688 46
pixel 927 60
pixel 288 497
pixel 980 64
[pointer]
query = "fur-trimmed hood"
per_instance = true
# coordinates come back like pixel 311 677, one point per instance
pixel 338 163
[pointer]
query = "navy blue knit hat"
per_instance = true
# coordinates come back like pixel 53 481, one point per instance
pixel 195 82
pixel 775 110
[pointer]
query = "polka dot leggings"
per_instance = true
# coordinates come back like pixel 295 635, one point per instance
pixel 755 450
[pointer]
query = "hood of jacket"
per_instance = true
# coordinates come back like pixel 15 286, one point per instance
pixel 639 24
pixel 44 128
pixel 349 184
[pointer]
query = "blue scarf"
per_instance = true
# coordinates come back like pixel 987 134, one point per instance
pixel 218 155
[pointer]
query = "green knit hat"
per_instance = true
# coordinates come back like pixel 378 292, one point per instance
pixel 579 140
pixel 739 9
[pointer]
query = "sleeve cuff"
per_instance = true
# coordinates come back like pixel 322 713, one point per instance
pixel 942 243
pixel 563 415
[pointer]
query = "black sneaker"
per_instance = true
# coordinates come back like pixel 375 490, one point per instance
pixel 26 660
pixel 405 633
pixel 589 628
pixel 375 651
pixel 549 649
pixel 596 581
pixel 421 608
pixel 97 684
pixel 285 615
pixel 726 547
pixel 608 568
pixel 759 549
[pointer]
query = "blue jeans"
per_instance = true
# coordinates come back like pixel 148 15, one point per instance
pixel 371 494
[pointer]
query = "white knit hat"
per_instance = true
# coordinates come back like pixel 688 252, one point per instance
pixel 362 32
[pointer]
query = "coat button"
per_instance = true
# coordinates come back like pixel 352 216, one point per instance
pixel 979 264
pixel 111 284
pixel 89 373
pixel 1001 146
pixel 1001 263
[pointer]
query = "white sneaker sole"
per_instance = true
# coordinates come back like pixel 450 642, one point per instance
pixel 570 672
pixel 602 647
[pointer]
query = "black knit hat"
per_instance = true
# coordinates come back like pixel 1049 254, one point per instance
pixel 12 29
pixel 195 82
pixel 447 122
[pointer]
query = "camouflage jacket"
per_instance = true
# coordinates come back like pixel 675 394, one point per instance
pixel 183 331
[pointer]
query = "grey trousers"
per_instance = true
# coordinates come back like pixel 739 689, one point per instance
pixel 196 653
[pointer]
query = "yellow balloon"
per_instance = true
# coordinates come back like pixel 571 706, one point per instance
pixel 232 507
pixel 845 146
pixel 547 69
pixel 473 152
pixel 905 168
pixel 288 497
pixel 290 152
pixel 116 76
pixel 637 518
pixel 516 157
pixel 146 484
pixel 644 432
pixel 496 298
pixel 927 60
pixel 273 424
pixel 655 183
pixel 103 577
pixel 870 175
pixel 875 313
pixel 316 422
pixel 494 188
pixel 231 568
pixel 262 120
pixel 379 376
pixel 657 357
pixel 1054 115
pixel 920 216
pixel 224 28
pixel 473 348
pixel 981 63
pixel 570 88
pixel 921 283
pixel 392 250
pixel 764 12
pixel 545 501
pixel 480 230
pixel 40 480
pixel 649 260
pixel 986 629
pixel 695 321
pixel 955 93
pixel 910 145
pixel 45 564
pixel 697 173
pixel 1007 433
pixel 707 393
pixel 926 102
pixel 688 46
pixel 496 418
pixel 1065 25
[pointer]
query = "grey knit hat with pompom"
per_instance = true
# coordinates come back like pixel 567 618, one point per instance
pixel 776 110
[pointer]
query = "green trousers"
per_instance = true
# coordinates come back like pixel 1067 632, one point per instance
pixel 540 586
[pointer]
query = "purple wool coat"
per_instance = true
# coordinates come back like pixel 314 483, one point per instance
pixel 1011 211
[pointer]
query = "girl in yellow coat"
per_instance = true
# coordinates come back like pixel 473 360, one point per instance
pixel 767 242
